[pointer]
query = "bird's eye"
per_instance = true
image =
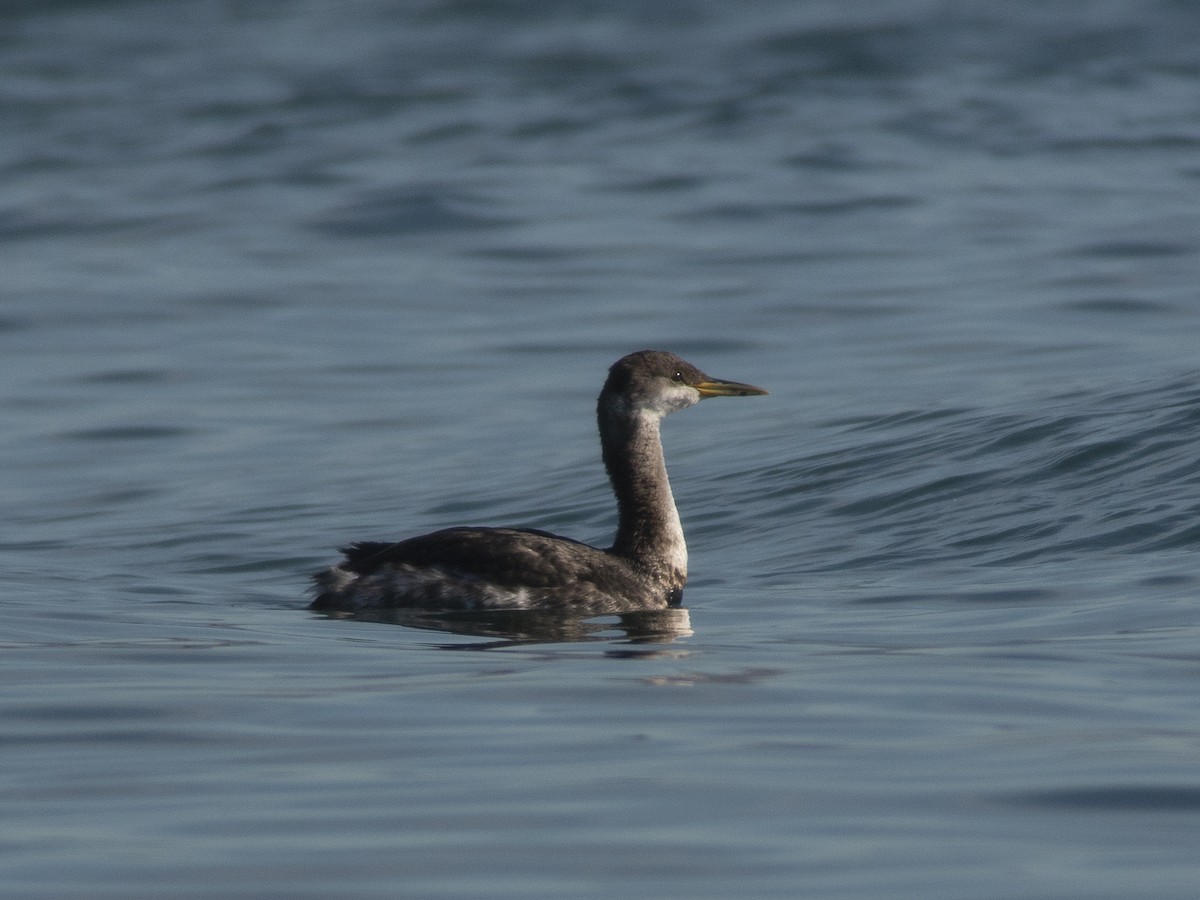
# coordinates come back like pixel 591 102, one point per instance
pixel 678 376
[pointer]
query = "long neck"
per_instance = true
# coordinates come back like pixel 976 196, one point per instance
pixel 649 533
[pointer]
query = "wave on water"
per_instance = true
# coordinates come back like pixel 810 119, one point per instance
pixel 1083 476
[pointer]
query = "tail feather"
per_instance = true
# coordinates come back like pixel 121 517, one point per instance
pixel 331 585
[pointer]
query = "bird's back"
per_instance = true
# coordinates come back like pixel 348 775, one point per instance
pixel 486 568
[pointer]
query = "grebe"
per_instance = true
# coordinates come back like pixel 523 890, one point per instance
pixel 518 568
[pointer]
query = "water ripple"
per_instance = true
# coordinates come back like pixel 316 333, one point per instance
pixel 1117 798
pixel 1107 476
pixel 407 210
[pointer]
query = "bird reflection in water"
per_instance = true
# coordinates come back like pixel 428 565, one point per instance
pixel 512 627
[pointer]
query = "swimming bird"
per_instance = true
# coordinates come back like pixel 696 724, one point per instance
pixel 482 568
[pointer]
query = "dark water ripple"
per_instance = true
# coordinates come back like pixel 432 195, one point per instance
pixel 1175 798
pixel 409 210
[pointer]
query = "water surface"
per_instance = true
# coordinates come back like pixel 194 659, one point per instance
pixel 281 276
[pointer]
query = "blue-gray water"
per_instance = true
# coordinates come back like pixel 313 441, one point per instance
pixel 281 275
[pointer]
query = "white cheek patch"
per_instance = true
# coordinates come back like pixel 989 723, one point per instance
pixel 673 399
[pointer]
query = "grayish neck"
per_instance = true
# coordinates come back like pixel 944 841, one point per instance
pixel 649 533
